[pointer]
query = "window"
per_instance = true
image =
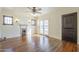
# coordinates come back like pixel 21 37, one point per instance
pixel 33 22
pixel 7 20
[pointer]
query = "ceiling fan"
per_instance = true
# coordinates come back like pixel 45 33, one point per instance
pixel 35 10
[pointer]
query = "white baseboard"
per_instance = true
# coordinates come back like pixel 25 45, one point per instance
pixel 54 37
pixel 11 36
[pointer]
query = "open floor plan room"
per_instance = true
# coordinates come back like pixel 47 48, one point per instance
pixel 39 29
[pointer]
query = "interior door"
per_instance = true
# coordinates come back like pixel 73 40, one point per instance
pixel 69 27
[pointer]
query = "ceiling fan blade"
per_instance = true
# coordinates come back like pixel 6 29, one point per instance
pixel 39 9
pixel 29 7
pixel 35 9
pixel 39 12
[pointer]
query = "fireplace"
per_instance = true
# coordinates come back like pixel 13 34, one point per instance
pixel 23 28
pixel 23 32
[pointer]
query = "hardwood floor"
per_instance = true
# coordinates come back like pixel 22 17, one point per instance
pixel 37 44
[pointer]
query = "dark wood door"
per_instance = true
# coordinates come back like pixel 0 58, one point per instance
pixel 69 27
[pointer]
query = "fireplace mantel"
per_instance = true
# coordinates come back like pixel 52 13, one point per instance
pixel 23 29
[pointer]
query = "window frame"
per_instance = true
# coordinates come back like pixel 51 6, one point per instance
pixel 4 20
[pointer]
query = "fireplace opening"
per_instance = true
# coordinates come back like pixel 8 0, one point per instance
pixel 23 32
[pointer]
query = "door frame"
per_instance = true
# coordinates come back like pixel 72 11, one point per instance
pixel 76 24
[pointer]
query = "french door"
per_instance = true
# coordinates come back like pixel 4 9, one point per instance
pixel 44 27
pixel 41 28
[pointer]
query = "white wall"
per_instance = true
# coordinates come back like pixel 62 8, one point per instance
pixel 10 31
pixel 55 25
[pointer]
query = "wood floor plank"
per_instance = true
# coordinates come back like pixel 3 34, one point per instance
pixel 37 44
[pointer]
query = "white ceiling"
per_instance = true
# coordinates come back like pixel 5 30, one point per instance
pixel 25 10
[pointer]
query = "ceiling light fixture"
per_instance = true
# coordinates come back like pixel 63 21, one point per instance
pixel 35 10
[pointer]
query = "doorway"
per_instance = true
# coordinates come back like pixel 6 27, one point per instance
pixel 69 27
pixel 37 27
pixel 44 27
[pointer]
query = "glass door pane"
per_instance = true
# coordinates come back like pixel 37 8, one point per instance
pixel 44 27
pixel 33 24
